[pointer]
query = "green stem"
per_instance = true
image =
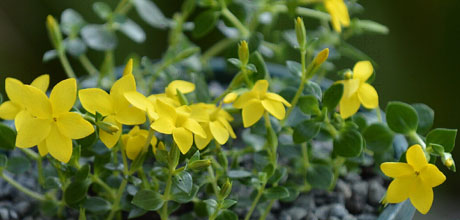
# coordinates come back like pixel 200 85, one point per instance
pixel 301 86
pixel 216 49
pixel 66 65
pixel 116 202
pixel 236 80
pixel 164 209
pixel 378 112
pixel 89 67
pixel 306 164
pixel 267 210
pixel 338 162
pixel 216 192
pixel 246 77
pixel 256 200
pixel 415 137
pixel 21 188
pixel 234 20
pixel 307 12
pixel 95 178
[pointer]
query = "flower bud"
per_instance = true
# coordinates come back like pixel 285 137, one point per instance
pixel 230 97
pixel 226 189
pixel 321 57
pixel 54 32
pixel 243 52
pixel 449 162
pixel 348 75
pixel 301 33
pixel 107 127
pixel 199 164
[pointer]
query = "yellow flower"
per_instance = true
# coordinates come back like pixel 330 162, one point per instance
pixel 13 87
pixel 114 106
pixel 215 122
pixel 135 141
pixel 357 91
pixel 339 14
pixel 177 121
pixel 414 179
pixel 48 123
pixel 255 102
pixel 230 97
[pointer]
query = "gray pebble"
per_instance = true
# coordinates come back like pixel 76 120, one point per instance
pixel 376 192
pixel 4 214
pixel 360 189
pixel 322 212
pixel 367 217
pixel 333 218
pixel 343 188
pixel 338 210
pixel 306 201
pixel 311 216
pixel 352 177
pixel 349 217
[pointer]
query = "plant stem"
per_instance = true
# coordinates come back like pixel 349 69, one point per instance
pixel 301 86
pixel 307 12
pixel 116 202
pixel 306 164
pixel 267 210
pixel 216 192
pixel 234 20
pixel 164 209
pixel 236 80
pixel 95 178
pixel 66 65
pixel 89 67
pixel 338 162
pixel 415 137
pixel 256 200
pixel 216 49
pixel 21 188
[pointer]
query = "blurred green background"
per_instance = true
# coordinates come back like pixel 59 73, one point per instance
pixel 417 62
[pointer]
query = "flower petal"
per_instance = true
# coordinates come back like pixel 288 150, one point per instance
pixel 396 169
pixel 200 142
pixel 183 86
pixel 230 97
pixel 431 176
pixel 130 115
pixel 32 131
pixel 194 127
pixel 165 111
pixel 37 103
pixel 163 125
pixel 20 118
pixel 96 100
pixel 9 110
pixel 276 97
pixel 243 99
pixel 261 86
pixel 219 132
pixel 228 127
pixel 42 82
pixel 110 139
pixel 137 100
pixel 63 96
pixel 342 13
pixel 183 139
pixel 125 84
pixel 349 106
pixel 350 87
pixel 399 189
pixel 362 70
pixel 252 112
pixel 73 126
pixel 42 148
pixel 58 145
pixel 368 96
pixel 416 157
pixel 128 68
pixel 421 196
pixel 134 146
pixel 275 108
pixel 15 90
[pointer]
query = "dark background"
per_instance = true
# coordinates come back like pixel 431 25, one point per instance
pixel 417 62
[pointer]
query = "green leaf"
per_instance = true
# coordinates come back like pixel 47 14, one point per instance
pixel 75 46
pixel 332 96
pixel 425 117
pixel 204 23
pixel 403 210
pixel 277 192
pixel 306 131
pixel 18 165
pixel 235 62
pixel 132 30
pixel 3 160
pixel 97 205
pixel 71 22
pixel 52 182
pixel 238 174
pixel 99 37
pixel 49 55
pixel 401 117
pixel 7 137
pixel 442 136
pixel 312 88
pixel 183 181
pixel 150 13
pixel 148 200
pixel 320 176
pixel 136 212
pixel 102 10
pixel 259 63
pixel 183 197
pixel 294 67
pixel 227 215
pixel 228 203
pixel 76 192
pixel 348 143
pixel 309 105
pixel 379 138
pixel 82 173
pixel 211 205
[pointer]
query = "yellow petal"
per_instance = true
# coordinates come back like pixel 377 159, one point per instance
pixel 261 86
pixel 163 125
pixel 363 70
pixel 134 146
pixel 137 100
pixel 37 103
pixel 421 196
pixel 278 98
pixel 431 176
pixel 230 97
pixel 58 145
pixel 20 118
pixel 219 132
pixel 42 149
pixel 42 82
pixel 252 112
pixel 200 142
pixel 349 106
pixel 152 113
pixel 350 87
pixel 228 127
pixel 331 9
pixel 275 108
pixel 165 111
pixel 399 189
pixel 110 139
pixel 183 139
pixel 125 84
pixel 342 13
pixel 96 100
pixel 73 126
pixel 130 115
pixel 9 110
pixel 63 95
pixel 129 67
pixel 368 96
pixel 396 169
pixel 183 86
pixel 15 90
pixel 244 99
pixel 32 131
pixel 154 141
pixel 194 127
pixel 416 157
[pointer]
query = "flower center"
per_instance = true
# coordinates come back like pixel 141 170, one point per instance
pixel 417 173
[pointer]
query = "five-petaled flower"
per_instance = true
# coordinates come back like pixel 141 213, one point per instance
pixel 357 91
pixel 339 14
pixel 48 123
pixel 135 141
pixel 414 179
pixel 257 100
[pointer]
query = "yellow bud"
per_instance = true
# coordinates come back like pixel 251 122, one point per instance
pixel 348 74
pixel 129 67
pixel 449 162
pixel 54 32
pixel 243 52
pixel 107 127
pixel 301 34
pixel 159 146
pixel 199 164
pixel 230 97
pixel 321 57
